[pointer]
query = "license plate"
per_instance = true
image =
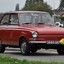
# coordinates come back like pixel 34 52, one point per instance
pixel 52 42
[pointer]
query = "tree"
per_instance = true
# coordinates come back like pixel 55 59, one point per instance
pixel 37 5
pixel 31 2
pixel 17 7
pixel 61 7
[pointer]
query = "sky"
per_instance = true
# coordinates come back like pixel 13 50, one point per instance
pixel 9 5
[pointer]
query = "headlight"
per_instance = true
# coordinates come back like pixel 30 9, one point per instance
pixel 34 34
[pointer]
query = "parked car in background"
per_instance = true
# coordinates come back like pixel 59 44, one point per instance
pixel 30 31
pixel 59 24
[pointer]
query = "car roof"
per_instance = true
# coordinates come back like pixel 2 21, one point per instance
pixel 26 12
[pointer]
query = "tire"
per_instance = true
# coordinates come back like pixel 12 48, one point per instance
pixel 25 49
pixel 33 50
pixel 2 48
pixel 60 51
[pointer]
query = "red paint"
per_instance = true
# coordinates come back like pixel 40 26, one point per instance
pixel 10 34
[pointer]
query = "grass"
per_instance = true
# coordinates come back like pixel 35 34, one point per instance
pixel 9 60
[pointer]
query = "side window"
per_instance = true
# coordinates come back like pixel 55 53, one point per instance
pixel 5 20
pixel 14 19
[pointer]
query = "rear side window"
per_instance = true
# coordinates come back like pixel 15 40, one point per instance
pixel 5 20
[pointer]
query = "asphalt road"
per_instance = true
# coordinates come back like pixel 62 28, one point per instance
pixel 41 55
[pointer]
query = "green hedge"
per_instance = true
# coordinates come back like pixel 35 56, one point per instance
pixel 60 17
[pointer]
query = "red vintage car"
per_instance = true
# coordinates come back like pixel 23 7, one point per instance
pixel 30 31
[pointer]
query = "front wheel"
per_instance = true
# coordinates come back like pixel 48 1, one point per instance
pixel 60 51
pixel 25 49
pixel 33 50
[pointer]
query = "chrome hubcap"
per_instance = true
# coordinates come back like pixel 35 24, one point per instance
pixel 23 47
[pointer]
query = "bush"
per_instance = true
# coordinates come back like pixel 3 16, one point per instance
pixel 60 17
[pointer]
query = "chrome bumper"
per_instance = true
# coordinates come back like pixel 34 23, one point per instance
pixel 37 41
pixel 45 42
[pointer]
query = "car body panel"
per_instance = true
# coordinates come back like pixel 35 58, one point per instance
pixel 10 34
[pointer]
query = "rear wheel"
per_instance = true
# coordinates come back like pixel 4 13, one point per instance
pixel 60 51
pixel 2 48
pixel 25 49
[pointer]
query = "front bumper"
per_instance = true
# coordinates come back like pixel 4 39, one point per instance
pixel 45 42
pixel 45 45
pixel 37 42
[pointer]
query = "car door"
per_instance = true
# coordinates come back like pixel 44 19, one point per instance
pixel 13 29
pixel 4 34
pixel 8 29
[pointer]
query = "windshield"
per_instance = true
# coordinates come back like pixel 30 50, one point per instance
pixel 35 18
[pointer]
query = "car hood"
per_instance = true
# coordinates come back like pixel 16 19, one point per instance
pixel 45 29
